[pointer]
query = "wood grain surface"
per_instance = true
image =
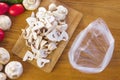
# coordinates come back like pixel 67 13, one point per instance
pixel 109 10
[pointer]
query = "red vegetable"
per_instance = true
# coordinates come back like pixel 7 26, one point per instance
pixel 16 9
pixel 1 35
pixel 3 8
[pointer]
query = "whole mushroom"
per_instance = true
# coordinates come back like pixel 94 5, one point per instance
pixel 4 56
pixel 14 69
pixel 3 76
pixel 5 22
pixel 31 4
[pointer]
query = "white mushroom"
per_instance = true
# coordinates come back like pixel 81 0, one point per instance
pixel 41 62
pixel 26 32
pixel 41 54
pixel 1 67
pixel 34 36
pixel 5 22
pixel 14 69
pixel 50 18
pixel 31 21
pixel 64 36
pixel 30 39
pixel 4 56
pixel 3 76
pixel 61 9
pixel 32 14
pixel 48 24
pixel 31 4
pixel 38 41
pixel 41 12
pixel 52 46
pixel 34 50
pixel 42 20
pixel 28 56
pixel 43 42
pixel 55 23
pixel 62 27
pixel 53 36
pixel 52 7
pixel 42 9
pixel 59 16
pixel 38 25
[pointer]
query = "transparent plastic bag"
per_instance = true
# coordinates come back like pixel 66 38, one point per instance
pixel 93 48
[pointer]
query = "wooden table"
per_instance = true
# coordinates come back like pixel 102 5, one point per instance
pixel 109 10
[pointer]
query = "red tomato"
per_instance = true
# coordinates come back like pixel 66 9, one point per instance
pixel 16 9
pixel 3 8
pixel 1 35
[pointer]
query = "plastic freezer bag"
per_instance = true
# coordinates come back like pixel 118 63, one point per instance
pixel 93 48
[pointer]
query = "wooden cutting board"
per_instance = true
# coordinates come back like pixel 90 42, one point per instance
pixel 73 19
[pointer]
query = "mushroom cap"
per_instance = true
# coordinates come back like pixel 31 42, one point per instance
pixel 63 10
pixel 52 7
pixel 31 4
pixel 4 56
pixel 3 76
pixel 5 22
pixel 14 69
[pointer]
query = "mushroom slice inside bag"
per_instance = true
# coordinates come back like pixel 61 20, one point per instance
pixel 93 48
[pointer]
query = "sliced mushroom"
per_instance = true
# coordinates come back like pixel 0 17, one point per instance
pixel 14 69
pixel 41 54
pixel 31 4
pixel 64 36
pixel 43 42
pixel 38 25
pixel 43 21
pixel 52 46
pixel 48 24
pixel 42 9
pixel 50 19
pixel 55 23
pixel 31 21
pixel 4 56
pixel 59 16
pixel 52 7
pixel 33 14
pixel 41 13
pixel 34 36
pixel 3 76
pixel 62 27
pixel 27 43
pixel 53 36
pixel 37 42
pixel 26 32
pixel 30 39
pixel 41 62
pixel 28 56
pixel 61 9
pixel 34 50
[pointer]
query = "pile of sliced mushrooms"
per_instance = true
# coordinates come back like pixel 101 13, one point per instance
pixel 46 28
pixel 13 69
